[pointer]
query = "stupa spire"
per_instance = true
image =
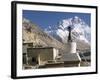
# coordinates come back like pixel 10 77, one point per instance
pixel 69 36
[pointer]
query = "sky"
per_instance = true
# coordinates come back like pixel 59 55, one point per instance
pixel 47 18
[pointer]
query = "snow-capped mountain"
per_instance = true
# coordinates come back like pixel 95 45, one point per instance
pixel 80 30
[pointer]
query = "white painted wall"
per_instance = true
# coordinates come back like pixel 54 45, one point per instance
pixel 25 48
pixel 71 47
pixel 5 40
pixel 55 53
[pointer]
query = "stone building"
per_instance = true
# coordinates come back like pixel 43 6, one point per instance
pixel 42 55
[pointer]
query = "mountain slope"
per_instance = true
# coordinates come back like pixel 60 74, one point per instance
pixel 33 33
pixel 80 30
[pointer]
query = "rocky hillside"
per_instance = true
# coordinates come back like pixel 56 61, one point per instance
pixel 32 33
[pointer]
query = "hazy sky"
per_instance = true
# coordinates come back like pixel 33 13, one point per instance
pixel 47 18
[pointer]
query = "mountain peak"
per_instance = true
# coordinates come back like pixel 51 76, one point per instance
pixel 76 20
pixel 76 17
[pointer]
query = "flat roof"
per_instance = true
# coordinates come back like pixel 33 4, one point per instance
pixel 28 43
pixel 42 48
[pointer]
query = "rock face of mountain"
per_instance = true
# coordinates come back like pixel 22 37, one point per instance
pixel 81 32
pixel 32 33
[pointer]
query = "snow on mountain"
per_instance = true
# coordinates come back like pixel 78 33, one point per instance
pixel 80 30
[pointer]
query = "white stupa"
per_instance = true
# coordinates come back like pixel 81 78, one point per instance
pixel 71 57
pixel 71 45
